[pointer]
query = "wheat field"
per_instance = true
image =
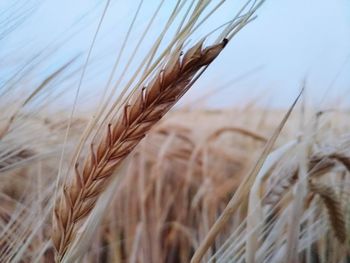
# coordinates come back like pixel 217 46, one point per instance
pixel 133 178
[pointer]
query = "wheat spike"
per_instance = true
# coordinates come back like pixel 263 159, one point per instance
pixel 142 111
pixel 334 208
pixel 342 158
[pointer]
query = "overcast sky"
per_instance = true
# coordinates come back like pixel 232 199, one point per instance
pixel 290 40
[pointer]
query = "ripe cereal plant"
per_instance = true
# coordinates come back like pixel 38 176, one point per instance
pixel 132 178
pixel 139 115
pixel 144 107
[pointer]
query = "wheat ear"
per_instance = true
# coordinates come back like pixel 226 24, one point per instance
pixel 139 115
pixel 334 208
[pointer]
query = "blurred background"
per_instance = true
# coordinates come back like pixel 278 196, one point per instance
pixel 290 41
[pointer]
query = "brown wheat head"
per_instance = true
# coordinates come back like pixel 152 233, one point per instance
pixel 142 111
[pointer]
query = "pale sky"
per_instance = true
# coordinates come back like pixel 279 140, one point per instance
pixel 290 40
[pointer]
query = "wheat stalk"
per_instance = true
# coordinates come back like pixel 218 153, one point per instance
pixel 139 115
pixel 334 208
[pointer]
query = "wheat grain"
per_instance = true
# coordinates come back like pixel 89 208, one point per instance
pixel 139 115
pixel 334 208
